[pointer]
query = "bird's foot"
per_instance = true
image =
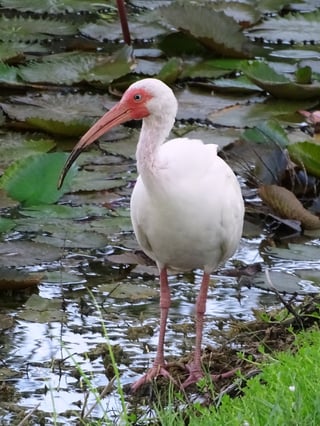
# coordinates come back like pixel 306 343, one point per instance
pixel 152 374
pixel 196 374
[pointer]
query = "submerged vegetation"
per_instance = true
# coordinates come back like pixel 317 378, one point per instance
pixel 247 77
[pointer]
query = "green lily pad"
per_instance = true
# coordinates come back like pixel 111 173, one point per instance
pixel 73 236
pixel 15 146
pixel 282 282
pixel 64 211
pixel 307 155
pixel 214 29
pixel 27 253
pixel 249 115
pixel 6 224
pixel 235 85
pixel 128 291
pixel 42 310
pixel 8 74
pixel 278 85
pixel 299 27
pixel 179 43
pixel 8 51
pixel 296 252
pixel 203 69
pixel 74 67
pixel 19 28
pixel 33 180
pixel 49 6
pixel 267 132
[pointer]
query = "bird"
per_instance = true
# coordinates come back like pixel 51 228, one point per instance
pixel 186 207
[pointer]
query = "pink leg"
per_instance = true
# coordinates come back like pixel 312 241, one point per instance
pixel 159 366
pixel 194 368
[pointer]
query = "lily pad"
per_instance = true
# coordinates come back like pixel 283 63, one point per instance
pixel 73 237
pixel 214 29
pixel 42 310
pixel 278 85
pixel 267 132
pixel 19 28
pixel 33 180
pixel 282 282
pixel 15 146
pixel 128 291
pixel 296 252
pixel 235 85
pixel 248 115
pixel 8 74
pixel 27 253
pixel 49 6
pixel 12 279
pixel 299 27
pixel 64 211
pixel 307 155
pixel 6 224
pixel 74 67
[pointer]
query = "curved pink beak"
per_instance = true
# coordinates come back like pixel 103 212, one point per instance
pixel 119 114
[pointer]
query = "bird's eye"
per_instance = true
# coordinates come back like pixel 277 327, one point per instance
pixel 137 97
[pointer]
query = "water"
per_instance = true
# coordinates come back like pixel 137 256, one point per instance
pixel 45 357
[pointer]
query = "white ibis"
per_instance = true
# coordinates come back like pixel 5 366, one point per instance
pixel 186 207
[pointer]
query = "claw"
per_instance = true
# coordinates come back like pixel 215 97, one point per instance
pixel 152 374
pixel 195 374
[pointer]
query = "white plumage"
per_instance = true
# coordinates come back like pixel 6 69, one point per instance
pixel 186 207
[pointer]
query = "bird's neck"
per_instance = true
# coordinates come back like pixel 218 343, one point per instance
pixel 154 132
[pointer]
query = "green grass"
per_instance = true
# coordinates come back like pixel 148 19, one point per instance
pixel 287 393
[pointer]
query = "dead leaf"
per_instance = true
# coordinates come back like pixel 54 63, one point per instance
pixel 284 203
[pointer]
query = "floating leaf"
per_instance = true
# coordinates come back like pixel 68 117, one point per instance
pixel 75 67
pixel 56 6
pixel 242 12
pixel 12 279
pixel 296 27
pixel 64 211
pixel 281 281
pixel 128 291
pixel 277 84
pixel 179 43
pixel 267 132
pixel 214 29
pixel 10 52
pixel 19 28
pixel 307 155
pixel 234 85
pixel 8 74
pixel 207 68
pixel 27 253
pixel 33 180
pixel 16 146
pixel 303 252
pixel 170 71
pixel 250 114
pixel 6 224
pixel 73 236
pixel 143 26
pixel 42 310
pixel 69 115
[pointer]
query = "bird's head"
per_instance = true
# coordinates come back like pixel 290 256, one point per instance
pixel 148 97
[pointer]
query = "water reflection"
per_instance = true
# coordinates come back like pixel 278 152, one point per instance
pixel 47 357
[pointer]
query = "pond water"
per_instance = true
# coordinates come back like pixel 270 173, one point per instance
pixel 46 348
